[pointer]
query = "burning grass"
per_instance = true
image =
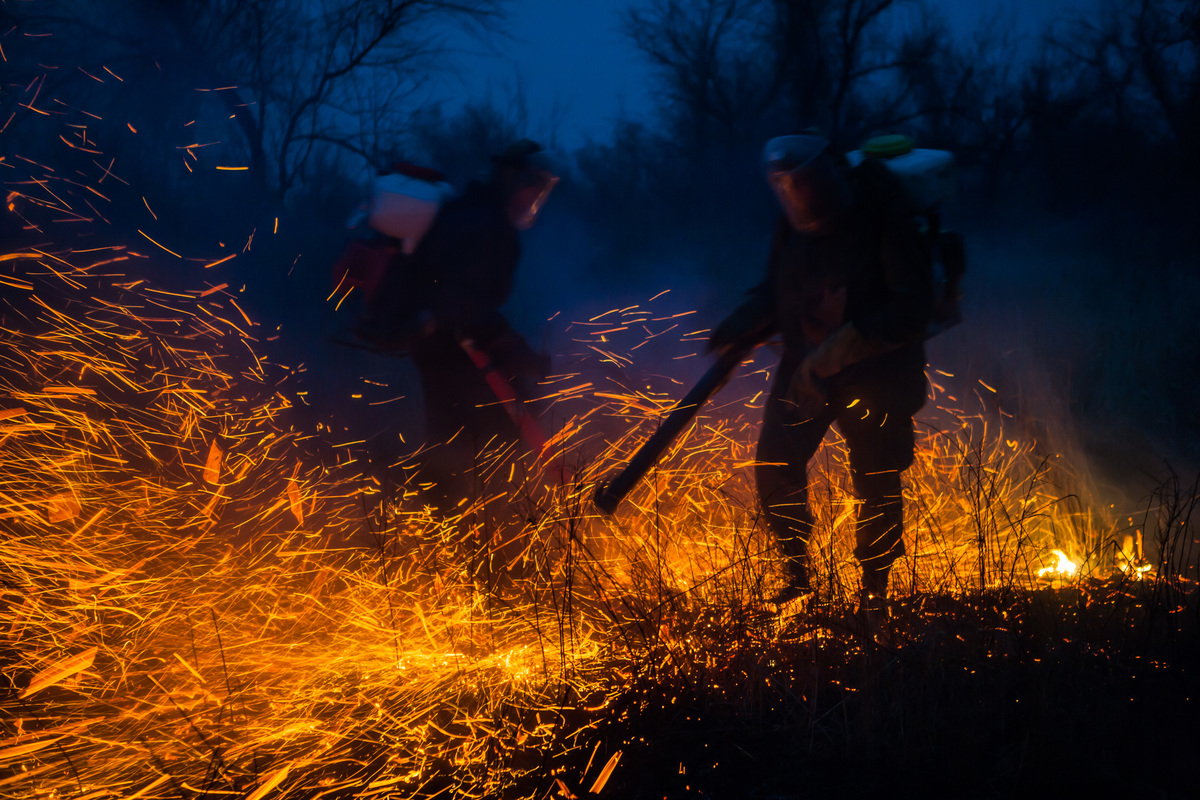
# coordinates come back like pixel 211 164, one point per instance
pixel 204 599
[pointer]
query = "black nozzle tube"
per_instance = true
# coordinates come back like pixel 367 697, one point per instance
pixel 610 493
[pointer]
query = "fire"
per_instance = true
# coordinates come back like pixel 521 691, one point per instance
pixel 1137 571
pixel 1130 558
pixel 1063 568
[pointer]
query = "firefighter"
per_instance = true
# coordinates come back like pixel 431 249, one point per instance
pixel 442 307
pixel 849 287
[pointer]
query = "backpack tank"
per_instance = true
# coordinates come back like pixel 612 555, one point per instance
pixel 404 204
pixel 928 175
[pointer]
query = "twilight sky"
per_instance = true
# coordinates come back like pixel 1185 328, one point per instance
pixel 571 53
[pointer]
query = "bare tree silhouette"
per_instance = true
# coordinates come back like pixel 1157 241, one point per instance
pixel 293 79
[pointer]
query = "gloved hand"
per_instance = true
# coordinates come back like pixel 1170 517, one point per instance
pixel 844 347
pixel 750 322
pixel 807 391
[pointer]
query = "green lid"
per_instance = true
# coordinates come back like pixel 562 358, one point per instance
pixel 890 146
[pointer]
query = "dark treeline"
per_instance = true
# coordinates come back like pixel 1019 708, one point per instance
pixel 1078 151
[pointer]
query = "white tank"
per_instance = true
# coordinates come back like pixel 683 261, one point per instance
pixel 404 207
pixel 929 175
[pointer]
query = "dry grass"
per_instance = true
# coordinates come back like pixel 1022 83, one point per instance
pixel 202 599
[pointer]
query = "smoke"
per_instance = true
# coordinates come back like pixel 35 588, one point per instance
pixel 1067 340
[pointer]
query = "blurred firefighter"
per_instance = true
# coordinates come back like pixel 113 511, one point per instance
pixel 849 286
pixel 440 305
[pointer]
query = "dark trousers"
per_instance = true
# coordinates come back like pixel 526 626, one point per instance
pixel 472 439
pixel 872 403
pixel 466 423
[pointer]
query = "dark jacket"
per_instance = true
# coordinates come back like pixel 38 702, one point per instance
pixel 876 254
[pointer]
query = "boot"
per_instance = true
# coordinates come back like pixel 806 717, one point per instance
pixel 796 584
pixel 873 609
pixel 874 591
